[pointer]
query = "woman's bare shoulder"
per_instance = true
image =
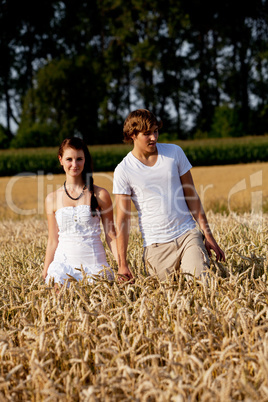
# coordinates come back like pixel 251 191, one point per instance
pixel 52 200
pixel 102 195
pixel 101 192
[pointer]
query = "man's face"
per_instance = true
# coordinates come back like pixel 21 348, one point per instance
pixel 146 141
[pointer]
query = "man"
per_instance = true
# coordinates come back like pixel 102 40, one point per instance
pixel 157 178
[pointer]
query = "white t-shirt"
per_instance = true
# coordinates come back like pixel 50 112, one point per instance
pixel 157 193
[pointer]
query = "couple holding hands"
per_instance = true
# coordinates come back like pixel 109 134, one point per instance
pixel 157 178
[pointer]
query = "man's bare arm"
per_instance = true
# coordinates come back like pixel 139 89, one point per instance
pixel 196 209
pixel 123 215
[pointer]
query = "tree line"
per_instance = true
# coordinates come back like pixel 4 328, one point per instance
pixel 79 67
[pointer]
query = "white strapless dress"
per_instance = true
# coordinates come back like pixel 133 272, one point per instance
pixel 79 245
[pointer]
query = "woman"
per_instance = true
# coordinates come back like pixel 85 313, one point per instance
pixel 74 212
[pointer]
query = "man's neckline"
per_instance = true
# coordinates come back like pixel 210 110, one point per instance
pixel 145 164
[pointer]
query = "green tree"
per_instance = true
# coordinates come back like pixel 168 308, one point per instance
pixel 226 123
pixel 80 67
pixel 66 99
pixel 26 40
pixel 8 30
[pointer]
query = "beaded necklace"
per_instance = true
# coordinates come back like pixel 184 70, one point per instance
pixel 72 198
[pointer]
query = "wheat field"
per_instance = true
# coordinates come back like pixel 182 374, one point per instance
pixel 145 341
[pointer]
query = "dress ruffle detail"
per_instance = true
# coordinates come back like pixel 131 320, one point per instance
pixel 79 246
pixel 60 272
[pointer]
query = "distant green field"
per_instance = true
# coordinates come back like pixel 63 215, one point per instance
pixel 205 152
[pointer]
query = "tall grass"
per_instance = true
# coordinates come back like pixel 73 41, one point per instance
pixel 146 341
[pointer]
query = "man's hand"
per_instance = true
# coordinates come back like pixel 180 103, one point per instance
pixel 124 274
pixel 211 244
pixel 44 274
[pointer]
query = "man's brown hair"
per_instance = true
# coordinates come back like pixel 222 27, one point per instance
pixel 140 120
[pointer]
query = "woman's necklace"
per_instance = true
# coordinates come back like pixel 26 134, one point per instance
pixel 72 198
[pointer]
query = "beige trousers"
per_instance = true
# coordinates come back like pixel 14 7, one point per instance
pixel 187 253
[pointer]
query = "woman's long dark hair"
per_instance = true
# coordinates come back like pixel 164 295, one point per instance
pixel 87 174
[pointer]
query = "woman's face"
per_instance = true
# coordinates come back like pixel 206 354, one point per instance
pixel 73 161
